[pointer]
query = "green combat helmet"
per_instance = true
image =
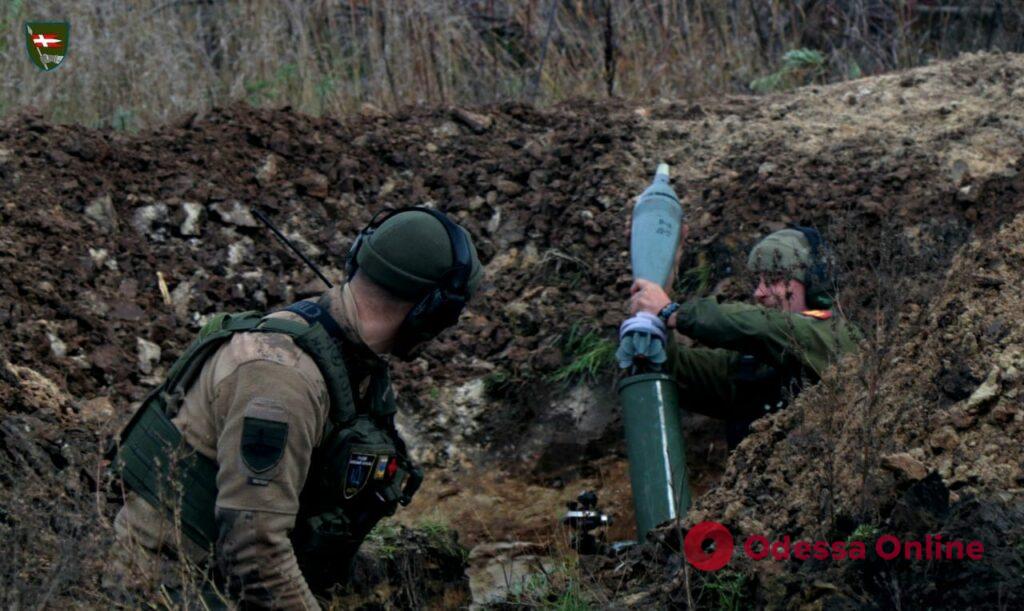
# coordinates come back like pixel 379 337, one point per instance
pixel 421 256
pixel 795 253
pixel 409 253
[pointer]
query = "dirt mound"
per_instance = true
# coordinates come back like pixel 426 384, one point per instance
pixel 921 433
pixel 116 247
pixel 96 225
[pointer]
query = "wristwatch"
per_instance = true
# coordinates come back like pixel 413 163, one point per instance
pixel 667 312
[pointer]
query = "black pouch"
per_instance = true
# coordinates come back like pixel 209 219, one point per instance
pixel 325 549
pixel 355 483
pixel 358 474
pixel 760 388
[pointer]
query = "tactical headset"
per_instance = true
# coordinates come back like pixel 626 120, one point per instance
pixel 440 307
pixel 817 278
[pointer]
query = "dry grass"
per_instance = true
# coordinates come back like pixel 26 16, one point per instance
pixel 57 538
pixel 140 62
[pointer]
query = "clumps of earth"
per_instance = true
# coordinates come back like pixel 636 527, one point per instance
pixel 116 247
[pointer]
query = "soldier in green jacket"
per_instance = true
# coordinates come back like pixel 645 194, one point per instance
pixel 756 357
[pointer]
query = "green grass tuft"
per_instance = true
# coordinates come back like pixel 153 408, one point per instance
pixel 729 588
pixel 696 280
pixel 864 532
pixel 438 532
pixel 385 537
pixel 799 67
pixel 501 384
pixel 591 354
pixel 559 590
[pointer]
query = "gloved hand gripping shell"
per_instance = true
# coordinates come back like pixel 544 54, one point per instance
pixel 642 339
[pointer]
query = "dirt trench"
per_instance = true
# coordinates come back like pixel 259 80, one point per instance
pixel 116 246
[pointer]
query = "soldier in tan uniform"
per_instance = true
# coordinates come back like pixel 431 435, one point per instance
pixel 275 450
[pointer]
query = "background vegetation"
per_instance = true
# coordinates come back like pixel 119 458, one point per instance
pixel 141 62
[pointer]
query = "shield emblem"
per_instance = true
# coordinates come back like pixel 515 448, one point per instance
pixel 358 473
pixel 47 43
pixel 263 443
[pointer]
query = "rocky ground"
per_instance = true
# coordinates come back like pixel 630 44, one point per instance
pixel 116 246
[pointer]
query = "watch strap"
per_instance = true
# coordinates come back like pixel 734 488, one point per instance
pixel 667 312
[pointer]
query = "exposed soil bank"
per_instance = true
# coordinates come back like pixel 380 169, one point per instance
pixel 900 172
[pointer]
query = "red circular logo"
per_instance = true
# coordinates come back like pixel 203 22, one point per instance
pixel 693 546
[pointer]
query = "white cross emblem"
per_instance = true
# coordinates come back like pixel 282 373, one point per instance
pixel 41 40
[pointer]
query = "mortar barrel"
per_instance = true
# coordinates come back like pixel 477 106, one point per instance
pixel 654 443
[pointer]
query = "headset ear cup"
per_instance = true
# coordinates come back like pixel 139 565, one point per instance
pixel 435 312
pixel 416 328
pixel 817 278
pixel 820 286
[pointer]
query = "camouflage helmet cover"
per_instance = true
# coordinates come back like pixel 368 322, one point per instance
pixel 785 252
pixel 789 253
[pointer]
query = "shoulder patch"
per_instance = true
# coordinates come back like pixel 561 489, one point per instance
pixel 819 314
pixel 263 443
pixel 357 473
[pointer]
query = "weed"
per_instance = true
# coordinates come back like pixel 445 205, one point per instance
pixel 532 587
pixel 500 384
pixel 272 90
pixel 799 67
pixel 385 537
pixel 560 589
pixel 697 279
pixel 591 354
pixel 568 270
pixel 853 70
pixel 729 588
pixel 864 532
pixel 257 91
pixel 123 120
pixel 441 535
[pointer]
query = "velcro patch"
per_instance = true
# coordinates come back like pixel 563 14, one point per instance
pixel 357 473
pixel 383 471
pixel 263 443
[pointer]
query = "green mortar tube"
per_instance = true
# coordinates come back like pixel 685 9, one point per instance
pixel 654 442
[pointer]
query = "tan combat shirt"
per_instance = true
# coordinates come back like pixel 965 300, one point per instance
pixel 267 376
